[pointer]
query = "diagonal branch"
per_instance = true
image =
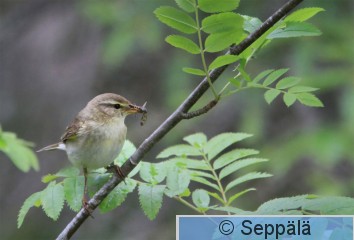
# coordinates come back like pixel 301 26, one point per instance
pixel 172 120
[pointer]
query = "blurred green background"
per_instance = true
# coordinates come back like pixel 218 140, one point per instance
pixel 57 55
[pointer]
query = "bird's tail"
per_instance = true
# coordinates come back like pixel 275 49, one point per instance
pixel 54 146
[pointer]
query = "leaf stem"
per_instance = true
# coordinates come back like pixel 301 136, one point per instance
pixel 184 202
pixel 205 68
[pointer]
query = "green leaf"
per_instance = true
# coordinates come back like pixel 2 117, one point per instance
pixel 222 61
pixel 48 178
pixel 127 150
pixel 234 210
pixel 179 150
pixel 186 193
pixel 271 94
pixel 299 89
pixel 223 22
pixel 153 172
pixel 183 43
pixel 201 174
pixel 218 143
pixel 251 24
pixel 219 41
pixel 52 198
pixel 309 99
pixel 216 196
pixel 289 99
pixel 295 29
pixel 245 178
pixel 190 163
pixel 201 199
pixel 239 194
pixel 30 202
pixel 176 19
pixel 205 182
pixel 342 206
pixel 177 181
pixel 68 172
pixel 262 75
pixel 287 82
pixel 196 140
pixel 194 71
pixel 150 198
pixel 233 167
pixel 118 195
pixel 186 5
pixel 274 76
pixel 303 14
pixel 232 156
pixel 212 6
pixel 18 151
pixel 74 191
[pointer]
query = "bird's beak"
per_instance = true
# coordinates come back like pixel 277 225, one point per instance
pixel 136 109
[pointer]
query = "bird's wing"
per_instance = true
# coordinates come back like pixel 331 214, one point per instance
pixel 73 130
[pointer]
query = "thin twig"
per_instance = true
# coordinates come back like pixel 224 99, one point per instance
pixel 172 121
pixel 200 111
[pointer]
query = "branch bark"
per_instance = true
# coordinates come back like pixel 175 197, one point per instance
pixel 178 115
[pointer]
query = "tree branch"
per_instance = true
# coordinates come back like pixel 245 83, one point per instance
pixel 178 115
pixel 200 111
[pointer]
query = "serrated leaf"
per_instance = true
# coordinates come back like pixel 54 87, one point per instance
pixel 232 156
pixel 237 165
pixel 48 178
pixel 74 191
pixel 216 196
pixel 239 194
pixel 234 210
pixel 287 82
pixel 201 199
pixel 218 143
pixel 222 61
pixel 271 94
pixel 274 76
pixel 251 24
pixel 153 172
pixel 68 172
pixel 176 19
pixel 212 6
pixel 217 42
pixel 223 22
pixel 303 14
pixel 29 202
pixel 299 89
pixel 186 193
pixel 186 5
pixel 52 198
pixel 183 43
pixel 295 29
pixel 150 198
pixel 309 99
pixel 177 181
pixel 194 71
pixel 127 150
pixel 289 99
pixel 179 150
pixel 201 174
pixel 262 75
pixel 343 205
pixel 247 177
pixel 190 163
pixel 117 196
pixel 196 140
pixel 205 182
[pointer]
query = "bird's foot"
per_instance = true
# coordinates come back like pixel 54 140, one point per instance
pixel 117 170
pixel 86 206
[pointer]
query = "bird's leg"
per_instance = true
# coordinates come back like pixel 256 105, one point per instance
pixel 84 200
pixel 117 170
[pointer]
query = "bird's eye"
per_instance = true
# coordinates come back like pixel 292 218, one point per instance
pixel 116 106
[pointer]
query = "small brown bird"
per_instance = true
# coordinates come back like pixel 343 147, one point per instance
pixel 97 134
